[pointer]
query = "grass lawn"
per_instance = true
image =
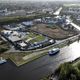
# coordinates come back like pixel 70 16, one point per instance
pixel 38 39
pixel 33 37
pixel 30 35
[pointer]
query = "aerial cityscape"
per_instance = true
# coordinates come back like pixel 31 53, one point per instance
pixel 39 40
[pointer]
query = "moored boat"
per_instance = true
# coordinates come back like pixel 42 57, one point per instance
pixel 2 60
pixel 54 51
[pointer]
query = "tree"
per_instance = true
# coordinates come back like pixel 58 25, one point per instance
pixel 67 71
pixel 78 65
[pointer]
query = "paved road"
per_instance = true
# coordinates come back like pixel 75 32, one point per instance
pixel 40 67
pixel 57 12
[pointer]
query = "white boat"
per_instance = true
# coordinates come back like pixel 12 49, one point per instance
pixel 2 60
pixel 54 51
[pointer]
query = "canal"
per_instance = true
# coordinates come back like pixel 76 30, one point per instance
pixel 40 67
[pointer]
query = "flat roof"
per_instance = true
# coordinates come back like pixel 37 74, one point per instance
pixel 22 44
pixel 14 38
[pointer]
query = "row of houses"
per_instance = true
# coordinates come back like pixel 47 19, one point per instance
pixel 51 20
pixel 6 12
pixel 41 43
pixel 72 9
pixel 18 40
pixel 20 26
pixel 23 45
pixel 13 35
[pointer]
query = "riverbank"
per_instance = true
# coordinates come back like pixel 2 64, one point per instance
pixel 75 65
pixel 40 67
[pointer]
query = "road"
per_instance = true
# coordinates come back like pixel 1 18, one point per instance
pixel 57 12
pixel 76 26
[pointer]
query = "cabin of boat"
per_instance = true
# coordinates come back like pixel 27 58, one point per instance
pixel 54 51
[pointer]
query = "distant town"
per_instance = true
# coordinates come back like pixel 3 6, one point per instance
pixel 31 35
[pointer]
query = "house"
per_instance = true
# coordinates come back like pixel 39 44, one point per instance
pixel 13 35
pixel 77 17
pixel 28 23
pixel 14 26
pixel 22 45
pixel 7 32
pixel 3 12
pixel 37 20
pixel 48 20
pixel 47 10
pixel 14 38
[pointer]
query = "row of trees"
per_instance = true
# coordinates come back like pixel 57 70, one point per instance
pixel 7 20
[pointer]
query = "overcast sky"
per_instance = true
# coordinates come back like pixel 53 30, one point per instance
pixel 38 0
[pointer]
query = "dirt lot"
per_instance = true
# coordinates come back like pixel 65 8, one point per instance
pixel 56 33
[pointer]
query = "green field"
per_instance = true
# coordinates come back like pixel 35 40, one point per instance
pixel 33 37
pixel 38 39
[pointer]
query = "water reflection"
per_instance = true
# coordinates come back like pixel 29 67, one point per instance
pixel 68 53
pixel 74 50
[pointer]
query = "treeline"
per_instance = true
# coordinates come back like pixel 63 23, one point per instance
pixel 15 19
pixel 3 50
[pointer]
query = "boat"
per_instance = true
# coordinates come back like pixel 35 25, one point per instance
pixel 2 60
pixel 53 51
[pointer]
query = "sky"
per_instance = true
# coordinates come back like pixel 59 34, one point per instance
pixel 38 0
